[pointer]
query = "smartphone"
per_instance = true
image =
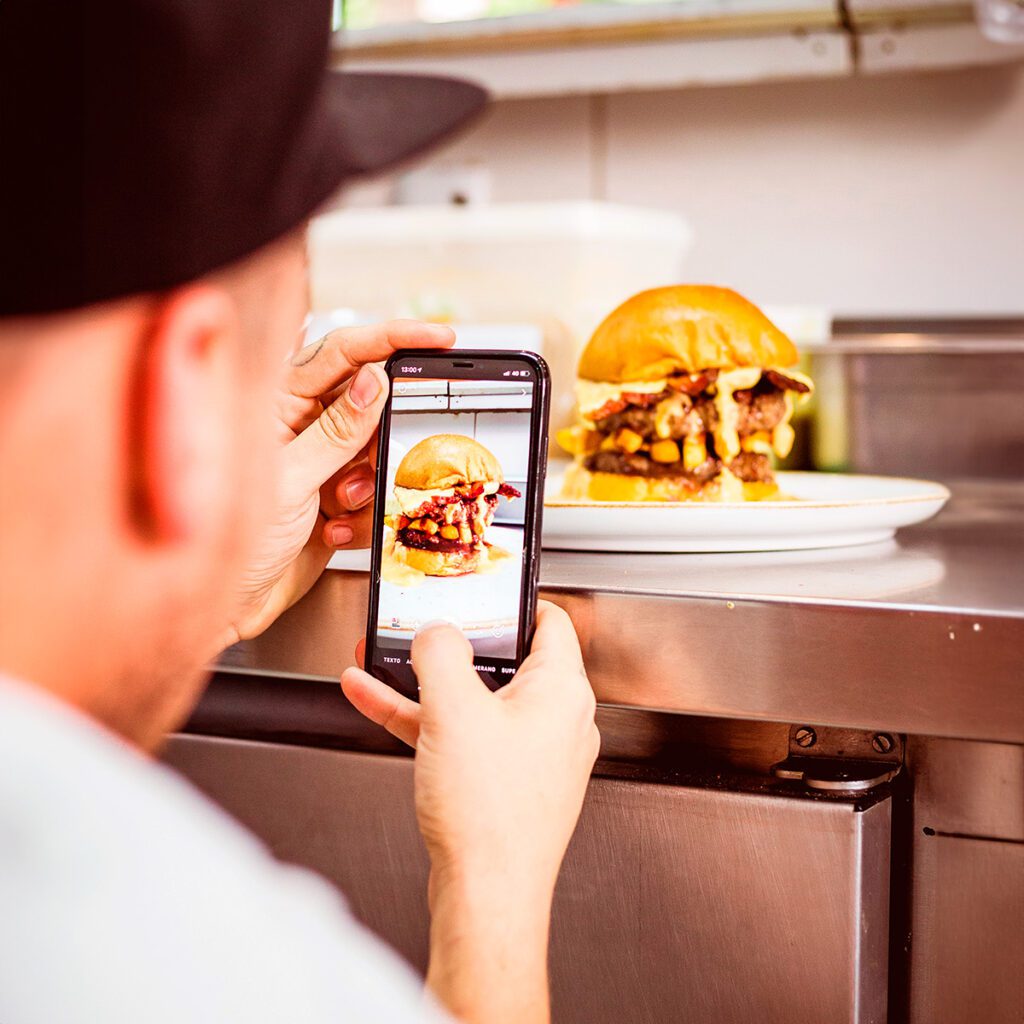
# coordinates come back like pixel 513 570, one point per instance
pixel 461 460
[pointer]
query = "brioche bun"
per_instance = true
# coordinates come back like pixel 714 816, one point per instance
pixel 682 329
pixel 582 485
pixel 440 563
pixel 447 460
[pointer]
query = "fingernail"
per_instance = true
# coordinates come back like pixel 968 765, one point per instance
pixel 307 353
pixel 358 491
pixel 365 388
pixel 433 624
pixel 341 534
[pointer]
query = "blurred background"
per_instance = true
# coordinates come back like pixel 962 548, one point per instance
pixel 854 166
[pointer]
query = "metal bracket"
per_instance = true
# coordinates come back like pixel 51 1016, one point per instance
pixel 840 760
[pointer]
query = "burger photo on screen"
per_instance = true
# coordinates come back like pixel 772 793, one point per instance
pixel 446 491
pixel 684 394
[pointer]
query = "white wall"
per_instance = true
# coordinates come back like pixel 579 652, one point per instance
pixel 881 194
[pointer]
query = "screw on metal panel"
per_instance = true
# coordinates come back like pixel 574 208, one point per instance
pixel 882 742
pixel 805 736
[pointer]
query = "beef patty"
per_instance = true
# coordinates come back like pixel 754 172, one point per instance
pixel 752 467
pixel 759 411
pixel 640 464
pixel 755 412
pixel 430 542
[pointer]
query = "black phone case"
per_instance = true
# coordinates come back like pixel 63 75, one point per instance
pixel 533 515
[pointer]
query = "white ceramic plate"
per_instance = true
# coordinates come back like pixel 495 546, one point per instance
pixel 827 510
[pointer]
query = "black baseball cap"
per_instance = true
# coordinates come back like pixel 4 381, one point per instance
pixel 144 143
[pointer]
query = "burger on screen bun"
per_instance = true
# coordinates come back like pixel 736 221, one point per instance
pixel 684 394
pixel 446 491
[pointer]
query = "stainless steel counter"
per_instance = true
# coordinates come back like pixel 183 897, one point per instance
pixel 901 904
pixel 921 635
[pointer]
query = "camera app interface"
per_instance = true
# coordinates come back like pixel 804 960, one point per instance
pixel 457 471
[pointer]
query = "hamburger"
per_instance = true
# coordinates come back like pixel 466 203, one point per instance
pixel 446 491
pixel 684 394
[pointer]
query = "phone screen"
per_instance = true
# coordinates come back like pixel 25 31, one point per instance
pixel 461 461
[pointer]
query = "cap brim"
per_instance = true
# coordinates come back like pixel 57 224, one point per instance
pixel 385 119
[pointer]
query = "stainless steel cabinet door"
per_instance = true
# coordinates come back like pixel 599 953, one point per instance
pixel 676 903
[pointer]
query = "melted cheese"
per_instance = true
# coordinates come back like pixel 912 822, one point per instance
pixel 409 500
pixel 591 395
pixel 730 487
pixel 727 440
pixel 667 410
pixel 783 434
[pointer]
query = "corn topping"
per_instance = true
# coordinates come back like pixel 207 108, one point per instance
pixel 578 440
pixel 760 441
pixel 665 451
pixel 629 440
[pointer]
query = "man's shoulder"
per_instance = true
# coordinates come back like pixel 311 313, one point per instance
pixel 121 884
pixel 63 777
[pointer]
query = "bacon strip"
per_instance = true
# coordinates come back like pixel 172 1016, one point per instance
pixel 693 384
pixel 781 381
pixel 614 405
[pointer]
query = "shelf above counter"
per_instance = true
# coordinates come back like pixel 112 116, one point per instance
pixel 597 49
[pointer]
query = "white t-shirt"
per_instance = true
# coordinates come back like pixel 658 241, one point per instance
pixel 126 896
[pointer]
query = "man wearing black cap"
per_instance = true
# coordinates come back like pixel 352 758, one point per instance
pixel 172 476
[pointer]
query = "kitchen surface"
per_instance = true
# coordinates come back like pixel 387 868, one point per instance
pixel 809 802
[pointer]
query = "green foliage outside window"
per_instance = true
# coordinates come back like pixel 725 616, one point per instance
pixel 366 13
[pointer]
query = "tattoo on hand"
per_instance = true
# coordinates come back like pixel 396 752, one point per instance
pixel 307 354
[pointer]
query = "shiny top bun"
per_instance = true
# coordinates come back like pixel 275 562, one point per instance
pixel 683 329
pixel 447 460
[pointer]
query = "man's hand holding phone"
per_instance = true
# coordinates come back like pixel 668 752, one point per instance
pixel 327 410
pixel 500 780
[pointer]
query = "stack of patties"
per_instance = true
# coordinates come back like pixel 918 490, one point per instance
pixel 684 393
pixel 446 491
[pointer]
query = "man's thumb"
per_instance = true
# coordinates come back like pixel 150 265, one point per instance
pixel 342 429
pixel 442 659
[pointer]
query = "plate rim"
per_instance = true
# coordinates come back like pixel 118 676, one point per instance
pixel 940 492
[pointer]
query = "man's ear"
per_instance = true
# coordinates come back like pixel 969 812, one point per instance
pixel 185 399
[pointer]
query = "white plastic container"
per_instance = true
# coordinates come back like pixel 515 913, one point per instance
pixel 563 266
pixel 509 262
